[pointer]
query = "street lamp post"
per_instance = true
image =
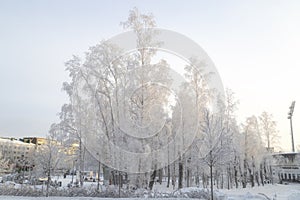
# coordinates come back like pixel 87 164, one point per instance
pixel 290 116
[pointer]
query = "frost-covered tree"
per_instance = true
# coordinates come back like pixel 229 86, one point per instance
pixel 268 130
pixel 270 137
pixel 68 123
pixel 115 104
pixel 252 150
pixel 216 143
pixel 146 96
pixel 110 94
pixel 49 157
pixel 184 124
pixel 229 108
pixel 195 96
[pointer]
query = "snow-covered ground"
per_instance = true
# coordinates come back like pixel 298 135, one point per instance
pixel 276 191
pixel 273 192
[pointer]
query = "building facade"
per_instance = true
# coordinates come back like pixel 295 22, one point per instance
pixel 18 154
pixel 287 167
pixel 14 150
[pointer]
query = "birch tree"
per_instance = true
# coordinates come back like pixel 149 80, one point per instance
pixel 49 156
pixel 216 143
pixel 231 127
pixel 271 139
pixel 106 85
pixel 145 94
pixel 253 150
pixel 268 130
pixel 196 95
pixel 70 122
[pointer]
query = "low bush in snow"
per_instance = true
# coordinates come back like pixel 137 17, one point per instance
pixel 199 193
pixel 25 190
pixel 106 192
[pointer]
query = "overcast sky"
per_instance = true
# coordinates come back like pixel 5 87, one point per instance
pixel 255 46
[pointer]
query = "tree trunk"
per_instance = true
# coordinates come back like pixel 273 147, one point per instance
pixel 169 176
pixel 254 173
pixel 174 176
pixel 222 180
pixel 152 179
pixel 211 183
pixel 121 179
pixel 81 161
pixel 180 177
pixel 265 171
pixel 257 178
pixel 203 180
pixel 217 175
pixel 187 178
pixel 245 174
pixel 48 182
pixel 236 177
pixel 113 177
pixel 197 177
pixel 49 172
pixel 251 177
pixel 160 175
pixel 261 175
pixel 228 178
pixel 271 175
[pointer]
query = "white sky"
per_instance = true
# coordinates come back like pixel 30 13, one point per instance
pixel 255 46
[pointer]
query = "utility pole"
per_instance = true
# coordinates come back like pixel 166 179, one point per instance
pixel 290 116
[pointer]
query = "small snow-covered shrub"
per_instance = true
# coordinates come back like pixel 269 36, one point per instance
pixel 192 192
pixel 12 190
pixel 199 193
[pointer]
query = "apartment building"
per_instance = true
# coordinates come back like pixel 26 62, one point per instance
pixel 18 154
